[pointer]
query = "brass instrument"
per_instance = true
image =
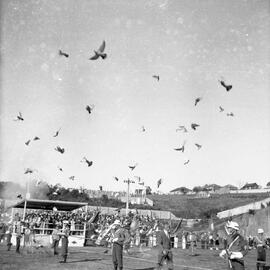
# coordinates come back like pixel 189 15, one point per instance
pixel 104 234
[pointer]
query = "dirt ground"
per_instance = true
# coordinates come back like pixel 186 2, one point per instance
pixel 95 258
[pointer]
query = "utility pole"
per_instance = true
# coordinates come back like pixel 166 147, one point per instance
pixel 128 183
pixel 27 197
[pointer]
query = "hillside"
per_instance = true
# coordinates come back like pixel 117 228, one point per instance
pixel 189 207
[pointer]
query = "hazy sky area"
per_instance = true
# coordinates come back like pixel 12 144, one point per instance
pixel 190 44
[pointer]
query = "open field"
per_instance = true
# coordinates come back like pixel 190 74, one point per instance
pixel 95 258
pixel 188 207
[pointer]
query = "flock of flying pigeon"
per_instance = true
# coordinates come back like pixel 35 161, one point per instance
pixel 89 108
pixel 194 126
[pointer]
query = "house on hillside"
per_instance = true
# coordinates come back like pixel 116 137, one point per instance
pixel 211 187
pixel 248 186
pixel 180 191
pixel 231 187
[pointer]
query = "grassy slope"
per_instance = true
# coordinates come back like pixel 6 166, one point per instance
pixel 188 207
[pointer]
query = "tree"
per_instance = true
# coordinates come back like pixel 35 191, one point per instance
pixel 197 189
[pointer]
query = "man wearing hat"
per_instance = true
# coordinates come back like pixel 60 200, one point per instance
pixel 118 242
pixel 165 245
pixel 261 249
pixel 18 232
pixel 65 235
pixel 236 247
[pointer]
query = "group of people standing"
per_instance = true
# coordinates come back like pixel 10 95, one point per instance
pixel 235 249
pixel 26 230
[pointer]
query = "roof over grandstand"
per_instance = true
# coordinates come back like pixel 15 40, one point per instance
pixel 49 205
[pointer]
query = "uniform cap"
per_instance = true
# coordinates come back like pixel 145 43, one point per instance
pixel 260 231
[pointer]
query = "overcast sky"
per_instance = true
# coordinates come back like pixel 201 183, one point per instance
pixel 190 44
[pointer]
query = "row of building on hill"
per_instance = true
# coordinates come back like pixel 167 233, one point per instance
pixel 214 188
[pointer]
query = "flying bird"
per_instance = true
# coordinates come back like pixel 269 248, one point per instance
pixel 156 77
pixel 59 149
pixel 182 148
pixel 116 178
pixel 143 129
pixel 61 53
pixel 36 138
pixel 181 128
pixel 100 52
pixel 197 100
pixel 221 109
pixel 19 196
pixel 28 170
pixel 186 162
pixel 38 182
pixel 89 163
pixel 72 178
pixel 159 182
pixel 198 145
pixel 27 143
pixel 194 126
pixel 226 86
pixel 60 169
pixel 89 109
pixel 57 133
pixel 19 117
pixel 230 114
pixel 133 167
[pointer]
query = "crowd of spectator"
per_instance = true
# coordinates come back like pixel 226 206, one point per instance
pixel 142 229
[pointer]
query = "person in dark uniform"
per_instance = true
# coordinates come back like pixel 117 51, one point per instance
pixel 261 250
pixel 3 228
pixel 165 245
pixel 18 231
pixel 117 248
pixel 64 235
pixel 236 247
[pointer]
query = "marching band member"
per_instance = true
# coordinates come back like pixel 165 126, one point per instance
pixel 165 245
pixel 18 231
pixel 236 247
pixel 65 235
pixel 118 242
pixel 261 249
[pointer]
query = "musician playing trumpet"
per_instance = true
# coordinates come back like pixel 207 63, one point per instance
pixel 118 239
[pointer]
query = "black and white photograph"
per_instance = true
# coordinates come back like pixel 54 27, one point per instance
pixel 134 134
